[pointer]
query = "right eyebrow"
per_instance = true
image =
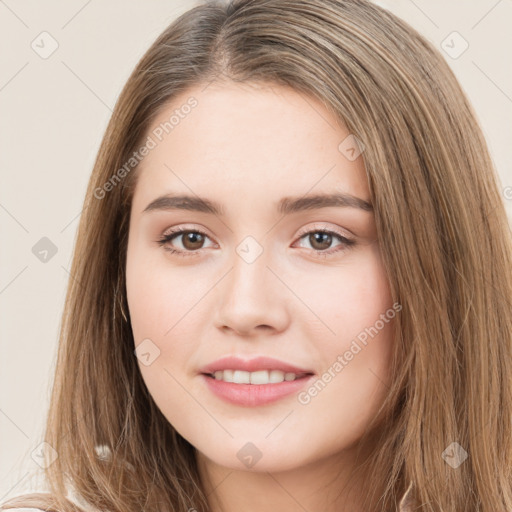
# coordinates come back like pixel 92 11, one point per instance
pixel 184 202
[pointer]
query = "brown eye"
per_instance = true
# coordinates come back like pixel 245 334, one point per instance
pixel 192 240
pixel 320 240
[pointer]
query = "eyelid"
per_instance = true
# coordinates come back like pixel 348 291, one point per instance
pixel 322 227
pixel 185 227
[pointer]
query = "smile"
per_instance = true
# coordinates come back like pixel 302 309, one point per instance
pixel 258 377
pixel 243 392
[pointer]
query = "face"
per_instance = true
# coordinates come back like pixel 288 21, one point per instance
pixel 259 275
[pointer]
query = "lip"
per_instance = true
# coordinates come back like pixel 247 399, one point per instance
pixel 252 365
pixel 252 395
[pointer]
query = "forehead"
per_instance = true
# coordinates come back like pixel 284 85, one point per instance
pixel 248 139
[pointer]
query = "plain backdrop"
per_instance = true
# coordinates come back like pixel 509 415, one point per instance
pixel 54 110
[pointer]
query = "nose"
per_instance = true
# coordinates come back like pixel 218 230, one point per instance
pixel 252 299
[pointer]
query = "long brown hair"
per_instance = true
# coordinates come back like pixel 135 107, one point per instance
pixel 444 238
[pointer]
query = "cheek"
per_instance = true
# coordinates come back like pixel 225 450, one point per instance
pixel 160 324
pixel 351 297
pixel 164 305
pixel 158 299
pixel 360 316
pixel 146 297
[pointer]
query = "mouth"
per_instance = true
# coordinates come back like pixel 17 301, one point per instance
pixel 253 382
pixel 252 389
pixel 256 378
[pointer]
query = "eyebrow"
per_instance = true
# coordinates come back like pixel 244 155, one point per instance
pixel 286 206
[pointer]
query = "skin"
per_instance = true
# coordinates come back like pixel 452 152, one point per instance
pixel 246 147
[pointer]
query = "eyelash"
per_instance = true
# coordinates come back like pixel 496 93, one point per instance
pixel 165 239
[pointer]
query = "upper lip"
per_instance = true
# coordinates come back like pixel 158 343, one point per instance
pixel 252 365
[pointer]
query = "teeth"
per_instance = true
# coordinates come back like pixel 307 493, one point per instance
pixel 258 377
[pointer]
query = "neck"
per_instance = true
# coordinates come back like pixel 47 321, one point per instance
pixel 329 484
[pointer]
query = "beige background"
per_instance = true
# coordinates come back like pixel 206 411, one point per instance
pixel 54 113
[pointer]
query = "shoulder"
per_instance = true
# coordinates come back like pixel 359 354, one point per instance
pixel 36 502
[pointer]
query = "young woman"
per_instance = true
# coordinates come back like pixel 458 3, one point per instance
pixel 291 284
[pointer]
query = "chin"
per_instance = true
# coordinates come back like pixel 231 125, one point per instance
pixel 256 456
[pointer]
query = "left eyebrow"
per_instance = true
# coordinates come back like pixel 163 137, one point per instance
pixel 289 205
pixel 285 206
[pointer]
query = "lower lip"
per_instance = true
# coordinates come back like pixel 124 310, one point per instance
pixel 251 395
